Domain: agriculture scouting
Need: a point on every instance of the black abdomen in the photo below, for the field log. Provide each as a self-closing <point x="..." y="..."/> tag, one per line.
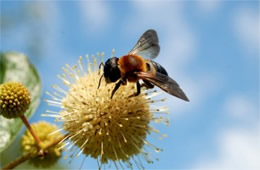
<point x="159" y="68"/>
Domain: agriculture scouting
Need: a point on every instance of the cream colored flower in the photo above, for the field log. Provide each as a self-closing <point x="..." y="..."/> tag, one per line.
<point x="110" y="130"/>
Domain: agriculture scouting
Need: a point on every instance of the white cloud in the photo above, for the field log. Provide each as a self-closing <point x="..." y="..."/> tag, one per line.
<point x="237" y="149"/>
<point x="45" y="11"/>
<point x="95" y="14"/>
<point x="246" y="26"/>
<point x="238" y="145"/>
<point x="178" y="49"/>
<point x="199" y="90"/>
<point x="208" y="6"/>
<point x="152" y="7"/>
<point x="241" y="107"/>
<point x="177" y="39"/>
<point x="34" y="27"/>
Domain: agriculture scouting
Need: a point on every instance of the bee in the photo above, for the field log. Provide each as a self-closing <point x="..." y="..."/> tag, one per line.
<point x="138" y="65"/>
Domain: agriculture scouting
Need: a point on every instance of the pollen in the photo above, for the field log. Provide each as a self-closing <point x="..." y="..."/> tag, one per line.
<point x="14" y="99"/>
<point x="109" y="130"/>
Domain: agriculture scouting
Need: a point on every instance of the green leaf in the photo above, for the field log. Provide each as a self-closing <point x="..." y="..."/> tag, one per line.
<point x="16" y="67"/>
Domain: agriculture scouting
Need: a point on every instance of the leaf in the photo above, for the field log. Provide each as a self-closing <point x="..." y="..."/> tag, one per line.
<point x="16" y="67"/>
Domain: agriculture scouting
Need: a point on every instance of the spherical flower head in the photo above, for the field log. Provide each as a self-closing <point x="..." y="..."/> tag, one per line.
<point x="14" y="99"/>
<point x="29" y="146"/>
<point x="103" y="128"/>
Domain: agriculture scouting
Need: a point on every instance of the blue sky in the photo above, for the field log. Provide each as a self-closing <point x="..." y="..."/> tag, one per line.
<point x="211" y="48"/>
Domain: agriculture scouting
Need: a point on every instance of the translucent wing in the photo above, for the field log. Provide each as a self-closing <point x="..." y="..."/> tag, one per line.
<point x="147" y="46"/>
<point x="165" y="83"/>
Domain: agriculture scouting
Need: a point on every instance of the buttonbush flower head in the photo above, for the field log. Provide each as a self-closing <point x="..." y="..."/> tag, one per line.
<point x="14" y="99"/>
<point x="51" y="154"/>
<point x="109" y="130"/>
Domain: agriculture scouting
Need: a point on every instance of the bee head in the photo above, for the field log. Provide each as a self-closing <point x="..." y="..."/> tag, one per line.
<point x="111" y="70"/>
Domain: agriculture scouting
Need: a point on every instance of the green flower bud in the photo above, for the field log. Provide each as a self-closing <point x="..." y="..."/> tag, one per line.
<point x="14" y="99"/>
<point x="50" y="154"/>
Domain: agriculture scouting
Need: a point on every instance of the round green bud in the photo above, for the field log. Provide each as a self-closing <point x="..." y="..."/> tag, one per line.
<point x="14" y="99"/>
<point x="50" y="154"/>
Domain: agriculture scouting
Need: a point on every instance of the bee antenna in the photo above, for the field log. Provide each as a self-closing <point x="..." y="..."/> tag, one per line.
<point x="100" y="80"/>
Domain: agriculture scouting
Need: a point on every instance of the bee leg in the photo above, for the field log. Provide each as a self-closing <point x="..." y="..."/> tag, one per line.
<point x="138" y="87"/>
<point x="99" y="68"/>
<point x="100" y="81"/>
<point x="147" y="84"/>
<point x="115" y="88"/>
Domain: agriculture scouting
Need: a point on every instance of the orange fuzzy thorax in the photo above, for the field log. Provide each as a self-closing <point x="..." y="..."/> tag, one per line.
<point x="129" y="64"/>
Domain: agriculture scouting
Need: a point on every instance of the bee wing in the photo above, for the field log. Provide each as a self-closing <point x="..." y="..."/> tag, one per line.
<point x="147" y="46"/>
<point x="165" y="83"/>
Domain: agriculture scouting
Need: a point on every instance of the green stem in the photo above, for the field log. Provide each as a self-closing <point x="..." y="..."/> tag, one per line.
<point x="18" y="161"/>
<point x="27" y="124"/>
<point x="30" y="155"/>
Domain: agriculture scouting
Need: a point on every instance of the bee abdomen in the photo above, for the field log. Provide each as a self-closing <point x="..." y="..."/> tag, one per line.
<point x="159" y="68"/>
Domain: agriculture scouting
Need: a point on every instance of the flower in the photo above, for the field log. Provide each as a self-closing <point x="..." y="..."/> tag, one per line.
<point x="107" y="129"/>
<point x="14" y="99"/>
<point x="51" y="154"/>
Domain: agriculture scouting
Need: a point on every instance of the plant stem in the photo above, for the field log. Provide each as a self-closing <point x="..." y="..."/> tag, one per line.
<point x="27" y="124"/>
<point x="30" y="155"/>
<point x="18" y="161"/>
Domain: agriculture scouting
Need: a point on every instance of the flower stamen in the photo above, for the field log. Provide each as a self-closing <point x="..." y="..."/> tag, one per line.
<point x="110" y="130"/>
